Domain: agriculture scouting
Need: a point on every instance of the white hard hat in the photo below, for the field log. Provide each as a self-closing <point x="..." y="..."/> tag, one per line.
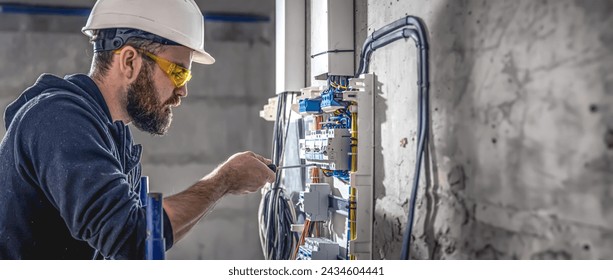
<point x="180" y="21"/>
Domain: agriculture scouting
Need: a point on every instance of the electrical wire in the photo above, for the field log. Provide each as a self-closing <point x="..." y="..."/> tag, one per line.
<point x="383" y="37"/>
<point x="352" y="191"/>
<point x="276" y="213"/>
<point x="303" y="235"/>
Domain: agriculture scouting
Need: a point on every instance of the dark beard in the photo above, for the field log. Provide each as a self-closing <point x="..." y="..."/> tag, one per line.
<point x="144" y="107"/>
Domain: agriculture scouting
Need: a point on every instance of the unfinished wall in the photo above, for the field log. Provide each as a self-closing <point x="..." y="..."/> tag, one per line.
<point x="521" y="163"/>
<point x="216" y="120"/>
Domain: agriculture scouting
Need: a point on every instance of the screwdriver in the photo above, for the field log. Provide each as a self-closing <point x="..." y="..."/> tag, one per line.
<point x="274" y="168"/>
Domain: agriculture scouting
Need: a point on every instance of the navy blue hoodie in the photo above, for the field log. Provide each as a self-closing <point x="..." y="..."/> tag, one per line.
<point x="69" y="177"/>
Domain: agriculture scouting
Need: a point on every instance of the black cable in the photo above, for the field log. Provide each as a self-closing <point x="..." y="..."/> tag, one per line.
<point x="276" y="206"/>
<point x="330" y="51"/>
<point x="384" y="41"/>
<point x="423" y="118"/>
<point x="383" y="37"/>
<point x="272" y="196"/>
<point x="412" y="22"/>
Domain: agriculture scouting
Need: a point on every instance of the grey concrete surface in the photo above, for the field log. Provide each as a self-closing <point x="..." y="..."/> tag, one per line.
<point x="521" y="149"/>
<point x="217" y="119"/>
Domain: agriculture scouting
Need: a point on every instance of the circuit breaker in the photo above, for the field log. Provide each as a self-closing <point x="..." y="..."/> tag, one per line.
<point x="318" y="249"/>
<point x="329" y="148"/>
<point x="315" y="202"/>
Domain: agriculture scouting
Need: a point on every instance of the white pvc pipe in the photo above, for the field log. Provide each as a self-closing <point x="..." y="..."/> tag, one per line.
<point x="290" y="22"/>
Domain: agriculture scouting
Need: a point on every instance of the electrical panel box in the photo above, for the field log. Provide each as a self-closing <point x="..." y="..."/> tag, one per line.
<point x="333" y="149"/>
<point x="338" y="140"/>
<point x="336" y="147"/>
<point x="332" y="50"/>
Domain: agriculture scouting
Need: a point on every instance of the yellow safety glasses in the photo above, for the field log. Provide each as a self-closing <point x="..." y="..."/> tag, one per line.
<point x="178" y="75"/>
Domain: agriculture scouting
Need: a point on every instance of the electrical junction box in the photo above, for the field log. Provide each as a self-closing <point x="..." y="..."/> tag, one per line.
<point x="332" y="51"/>
<point x="270" y="110"/>
<point x="328" y="148"/>
<point x="315" y="248"/>
<point x="315" y="201"/>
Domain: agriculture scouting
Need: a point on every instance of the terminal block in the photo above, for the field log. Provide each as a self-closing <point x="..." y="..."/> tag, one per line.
<point x="316" y="248"/>
<point x="310" y="106"/>
<point x="329" y="103"/>
<point x="308" y="101"/>
<point x="315" y="202"/>
<point x="328" y="148"/>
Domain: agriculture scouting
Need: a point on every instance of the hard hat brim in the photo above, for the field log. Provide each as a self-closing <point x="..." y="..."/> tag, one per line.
<point x="202" y="57"/>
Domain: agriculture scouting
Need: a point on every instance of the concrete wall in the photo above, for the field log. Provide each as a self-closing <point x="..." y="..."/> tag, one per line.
<point x="521" y="163"/>
<point x="218" y="118"/>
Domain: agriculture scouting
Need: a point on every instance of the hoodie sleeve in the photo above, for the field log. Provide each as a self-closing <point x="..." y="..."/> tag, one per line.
<point x="66" y="150"/>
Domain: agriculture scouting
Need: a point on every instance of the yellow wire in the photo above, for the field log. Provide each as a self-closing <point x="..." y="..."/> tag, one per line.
<point x="352" y="217"/>
<point x="354" y="142"/>
<point x="337" y="86"/>
<point x="354" y="167"/>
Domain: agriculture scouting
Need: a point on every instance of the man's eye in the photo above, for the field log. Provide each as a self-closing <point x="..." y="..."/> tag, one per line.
<point x="176" y="74"/>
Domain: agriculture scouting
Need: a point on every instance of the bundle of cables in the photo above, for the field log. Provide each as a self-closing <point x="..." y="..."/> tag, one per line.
<point x="276" y="213"/>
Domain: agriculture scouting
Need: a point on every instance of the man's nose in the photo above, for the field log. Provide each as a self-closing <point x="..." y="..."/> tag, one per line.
<point x="181" y="91"/>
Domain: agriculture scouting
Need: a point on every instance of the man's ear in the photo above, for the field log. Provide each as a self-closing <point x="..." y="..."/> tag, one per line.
<point x="130" y="63"/>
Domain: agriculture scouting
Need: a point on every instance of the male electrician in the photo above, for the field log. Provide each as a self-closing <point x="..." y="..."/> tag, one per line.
<point x="69" y="171"/>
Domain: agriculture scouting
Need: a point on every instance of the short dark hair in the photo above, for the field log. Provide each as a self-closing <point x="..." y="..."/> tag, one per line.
<point x="101" y="62"/>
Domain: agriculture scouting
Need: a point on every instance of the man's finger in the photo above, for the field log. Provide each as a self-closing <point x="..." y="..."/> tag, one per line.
<point x="270" y="174"/>
<point x="262" y="159"/>
<point x="271" y="178"/>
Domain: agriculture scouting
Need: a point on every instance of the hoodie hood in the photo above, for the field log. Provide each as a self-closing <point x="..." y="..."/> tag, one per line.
<point x="79" y="84"/>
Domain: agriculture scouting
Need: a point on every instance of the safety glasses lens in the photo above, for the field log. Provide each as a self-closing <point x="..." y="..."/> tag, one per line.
<point x="181" y="76"/>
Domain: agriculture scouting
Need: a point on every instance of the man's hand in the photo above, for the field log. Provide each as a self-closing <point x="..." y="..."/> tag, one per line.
<point x="244" y="173"/>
